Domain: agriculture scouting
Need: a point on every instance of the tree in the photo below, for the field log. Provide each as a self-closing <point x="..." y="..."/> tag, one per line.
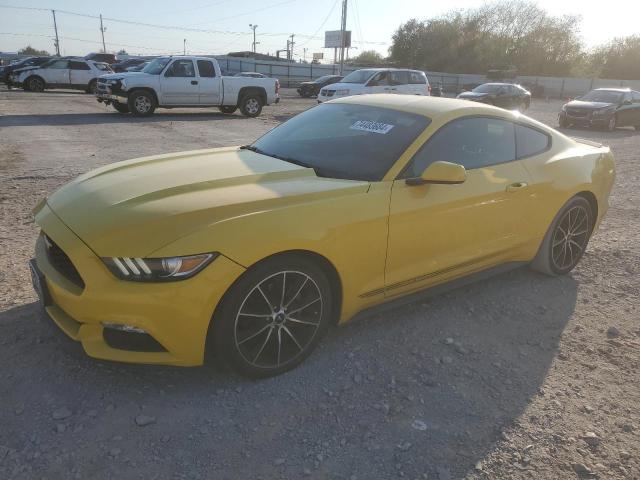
<point x="29" y="50"/>
<point x="619" y="59"/>
<point x="507" y="32"/>
<point x="368" y="57"/>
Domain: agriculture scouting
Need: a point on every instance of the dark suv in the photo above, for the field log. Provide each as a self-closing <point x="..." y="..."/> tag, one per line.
<point x="311" y="89"/>
<point x="102" y="57"/>
<point x="603" y="107"/>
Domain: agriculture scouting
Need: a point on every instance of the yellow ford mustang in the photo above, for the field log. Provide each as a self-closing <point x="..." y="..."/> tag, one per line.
<point x="256" y="250"/>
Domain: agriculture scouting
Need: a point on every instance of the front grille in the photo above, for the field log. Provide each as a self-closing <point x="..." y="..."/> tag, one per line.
<point x="577" y="113"/>
<point x="131" y="341"/>
<point x="62" y="263"/>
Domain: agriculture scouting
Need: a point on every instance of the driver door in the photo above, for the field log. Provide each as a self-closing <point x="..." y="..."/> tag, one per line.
<point x="179" y="85"/>
<point x="379" y="83"/>
<point x="438" y="232"/>
<point x="57" y="73"/>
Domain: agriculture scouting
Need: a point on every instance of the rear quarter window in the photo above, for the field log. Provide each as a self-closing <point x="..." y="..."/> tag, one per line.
<point x="530" y="141"/>
<point x="417" y="78"/>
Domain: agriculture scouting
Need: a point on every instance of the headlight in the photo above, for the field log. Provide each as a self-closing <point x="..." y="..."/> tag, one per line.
<point x="168" y="269"/>
<point x="342" y="92"/>
<point x="564" y="108"/>
<point x="603" y="111"/>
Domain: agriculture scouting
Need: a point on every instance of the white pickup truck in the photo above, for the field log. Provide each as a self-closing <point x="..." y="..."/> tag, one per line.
<point x="184" y="81"/>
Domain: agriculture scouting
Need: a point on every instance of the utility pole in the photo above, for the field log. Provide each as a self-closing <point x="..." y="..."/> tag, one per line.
<point x="55" y="27"/>
<point x="102" y="29"/>
<point x="184" y="46"/>
<point x="343" y="28"/>
<point x="291" y="44"/>
<point x="253" y="27"/>
<point x="304" y="54"/>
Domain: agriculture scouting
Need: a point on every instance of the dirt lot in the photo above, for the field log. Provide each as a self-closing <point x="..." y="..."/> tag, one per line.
<point x="519" y="376"/>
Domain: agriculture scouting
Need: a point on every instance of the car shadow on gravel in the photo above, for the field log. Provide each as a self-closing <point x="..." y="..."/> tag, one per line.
<point x="428" y="388"/>
<point x="100" y="118"/>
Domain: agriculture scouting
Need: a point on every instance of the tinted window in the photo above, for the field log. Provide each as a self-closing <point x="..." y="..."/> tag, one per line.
<point x="379" y="79"/>
<point x="489" y="88"/>
<point x="206" y="68"/>
<point x="605" y="96"/>
<point x="398" y="78"/>
<point x="417" y="78"/>
<point x="472" y="142"/>
<point x="79" y="66"/>
<point x="181" y="68"/>
<point x="355" y="142"/>
<point x="359" y="76"/>
<point x="156" y="66"/>
<point x="530" y="142"/>
<point x="58" y="64"/>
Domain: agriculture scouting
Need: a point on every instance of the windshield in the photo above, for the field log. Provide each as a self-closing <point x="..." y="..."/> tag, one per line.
<point x="487" y="88"/>
<point x="156" y="66"/>
<point x="354" y="142"/>
<point x="104" y="67"/>
<point x="359" y="76"/>
<point x="323" y="79"/>
<point x="604" y="96"/>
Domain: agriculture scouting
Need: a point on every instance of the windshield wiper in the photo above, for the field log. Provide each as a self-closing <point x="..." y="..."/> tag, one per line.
<point x="273" y="155"/>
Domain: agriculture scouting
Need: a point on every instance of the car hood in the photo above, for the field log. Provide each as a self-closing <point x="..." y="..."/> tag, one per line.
<point x="24" y="69"/>
<point x="588" y="105"/>
<point x="133" y="208"/>
<point x="124" y="75"/>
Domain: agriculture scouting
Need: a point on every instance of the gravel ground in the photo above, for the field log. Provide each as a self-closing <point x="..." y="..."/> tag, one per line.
<point x="520" y="376"/>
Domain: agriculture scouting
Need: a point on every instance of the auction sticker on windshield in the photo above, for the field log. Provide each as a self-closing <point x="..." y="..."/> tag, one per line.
<point x="373" y="127"/>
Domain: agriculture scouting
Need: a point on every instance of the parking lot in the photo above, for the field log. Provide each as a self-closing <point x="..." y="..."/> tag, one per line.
<point x="520" y="376"/>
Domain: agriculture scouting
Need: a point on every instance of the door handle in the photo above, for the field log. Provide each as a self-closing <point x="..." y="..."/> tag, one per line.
<point x="514" y="187"/>
<point x="194" y="82"/>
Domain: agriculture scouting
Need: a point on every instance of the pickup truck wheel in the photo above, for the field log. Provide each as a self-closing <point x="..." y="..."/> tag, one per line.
<point x="251" y="105"/>
<point x="35" y="84"/>
<point x="228" y="109"/>
<point x="141" y="103"/>
<point x="121" y="107"/>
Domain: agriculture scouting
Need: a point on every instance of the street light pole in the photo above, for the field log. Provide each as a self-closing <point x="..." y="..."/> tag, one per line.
<point x="343" y="28"/>
<point x="102" y="29"/>
<point x="253" y="27"/>
<point x="55" y="27"/>
<point x="184" y="46"/>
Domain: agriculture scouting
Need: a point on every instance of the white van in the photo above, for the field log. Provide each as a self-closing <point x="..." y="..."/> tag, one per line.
<point x="378" y="80"/>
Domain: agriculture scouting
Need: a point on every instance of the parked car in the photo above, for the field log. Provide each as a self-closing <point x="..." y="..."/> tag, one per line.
<point x="102" y="57"/>
<point x="504" y="95"/>
<point x="607" y="108"/>
<point x="6" y="71"/>
<point x="254" y="251"/>
<point x="72" y="73"/>
<point x="251" y="75"/>
<point x="378" y="80"/>
<point x="312" y="88"/>
<point x="186" y="81"/>
<point x="124" y="65"/>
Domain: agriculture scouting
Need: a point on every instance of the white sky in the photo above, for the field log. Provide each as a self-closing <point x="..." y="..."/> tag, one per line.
<point x="372" y="23"/>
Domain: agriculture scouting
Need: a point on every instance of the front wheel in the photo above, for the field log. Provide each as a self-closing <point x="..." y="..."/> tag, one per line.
<point x="228" y="109"/>
<point x="92" y="87"/>
<point x="567" y="238"/>
<point x="121" y="107"/>
<point x="611" y="124"/>
<point x="251" y="106"/>
<point x="273" y="317"/>
<point x="35" y="84"/>
<point x="141" y="103"/>
<point x="562" y="122"/>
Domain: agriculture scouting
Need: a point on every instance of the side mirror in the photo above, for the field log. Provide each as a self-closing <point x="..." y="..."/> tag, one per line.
<point x="445" y="173"/>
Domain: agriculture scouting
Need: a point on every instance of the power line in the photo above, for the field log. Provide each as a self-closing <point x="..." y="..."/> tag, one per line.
<point x="322" y="24"/>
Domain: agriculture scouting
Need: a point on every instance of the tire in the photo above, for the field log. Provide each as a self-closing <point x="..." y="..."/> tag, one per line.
<point x="559" y="253"/>
<point x="562" y="122"/>
<point x="121" y="107"/>
<point x="92" y="87"/>
<point x="35" y="84"/>
<point x="228" y="109"/>
<point x="251" y="105"/>
<point x="611" y="124"/>
<point x="141" y="103"/>
<point x="259" y="340"/>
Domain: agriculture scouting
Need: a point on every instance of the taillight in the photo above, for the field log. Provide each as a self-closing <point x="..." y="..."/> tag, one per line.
<point x="277" y="86"/>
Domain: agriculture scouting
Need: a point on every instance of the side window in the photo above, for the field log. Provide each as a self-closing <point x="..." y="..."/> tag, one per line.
<point x="417" y="78"/>
<point x="627" y="97"/>
<point x="379" y="79"/>
<point x="636" y="96"/>
<point x="530" y="141"/>
<point x="474" y="142"/>
<point x="206" y="68"/>
<point x="59" y="64"/>
<point x="181" y="68"/>
<point x="398" y="78"/>
<point x="79" y="66"/>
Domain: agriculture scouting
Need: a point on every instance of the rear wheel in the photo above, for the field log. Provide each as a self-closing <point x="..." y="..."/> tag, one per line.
<point x="141" y="103"/>
<point x="251" y="105"/>
<point x="228" y="109"/>
<point x="567" y="238"/>
<point x="121" y="107"/>
<point x="93" y="87"/>
<point x="273" y="316"/>
<point x="611" y="124"/>
<point x="35" y="84"/>
<point x="562" y="122"/>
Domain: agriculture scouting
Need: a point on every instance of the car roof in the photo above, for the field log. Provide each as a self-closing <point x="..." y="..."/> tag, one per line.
<point x="427" y="106"/>
<point x="386" y="69"/>
<point x="621" y="90"/>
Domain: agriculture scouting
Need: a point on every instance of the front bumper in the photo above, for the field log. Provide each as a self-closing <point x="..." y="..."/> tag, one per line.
<point x="584" y="121"/>
<point x="176" y="315"/>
